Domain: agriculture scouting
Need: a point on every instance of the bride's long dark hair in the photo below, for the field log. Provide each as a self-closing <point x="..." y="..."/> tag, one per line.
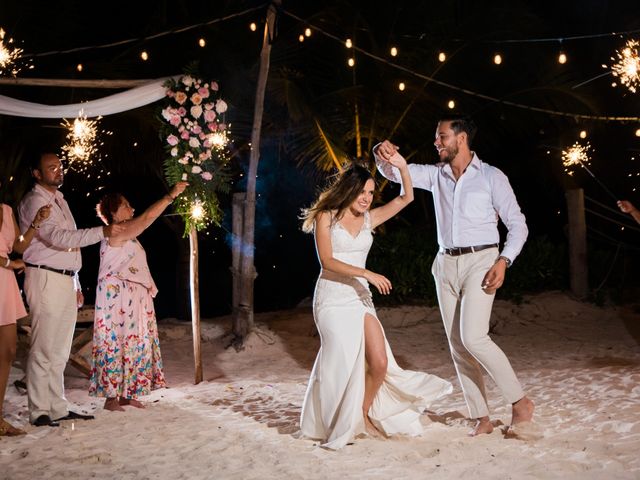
<point x="337" y="196"/>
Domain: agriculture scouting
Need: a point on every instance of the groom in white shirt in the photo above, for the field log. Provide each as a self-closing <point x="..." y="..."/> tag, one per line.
<point x="469" y="196"/>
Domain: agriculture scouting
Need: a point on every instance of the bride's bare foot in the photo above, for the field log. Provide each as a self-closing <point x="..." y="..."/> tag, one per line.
<point x="371" y="428"/>
<point x="112" y="405"/>
<point x="522" y="411"/>
<point x="483" y="425"/>
<point x="132" y="402"/>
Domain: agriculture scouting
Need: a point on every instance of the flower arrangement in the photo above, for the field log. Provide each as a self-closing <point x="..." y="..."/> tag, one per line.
<point x="194" y="133"/>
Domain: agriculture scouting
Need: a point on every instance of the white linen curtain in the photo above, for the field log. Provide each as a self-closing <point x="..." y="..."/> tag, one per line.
<point x="119" y="102"/>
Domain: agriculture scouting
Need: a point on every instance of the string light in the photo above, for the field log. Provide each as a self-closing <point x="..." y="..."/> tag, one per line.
<point x="627" y="66"/>
<point x="497" y="59"/>
<point x="393" y="51"/>
<point x="301" y="38"/>
<point x="307" y="32"/>
<point x="638" y="132"/>
<point x="583" y="134"/>
<point x="9" y="56"/>
<point x="79" y="67"/>
<point x="562" y="58"/>
<point x="351" y="62"/>
<point x="451" y="104"/>
<point x="202" y="42"/>
<point x="401" y="86"/>
<point x="144" y="55"/>
<point x="348" y="43"/>
<point x="442" y="56"/>
<point x="253" y="27"/>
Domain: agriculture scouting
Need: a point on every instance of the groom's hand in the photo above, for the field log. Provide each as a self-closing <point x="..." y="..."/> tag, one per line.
<point x="494" y="278"/>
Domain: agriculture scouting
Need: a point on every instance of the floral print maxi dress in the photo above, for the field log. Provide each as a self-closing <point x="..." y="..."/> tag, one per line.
<point x="126" y="350"/>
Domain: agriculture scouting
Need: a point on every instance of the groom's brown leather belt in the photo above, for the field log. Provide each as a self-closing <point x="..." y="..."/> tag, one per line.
<point x="463" y="250"/>
<point x="71" y="273"/>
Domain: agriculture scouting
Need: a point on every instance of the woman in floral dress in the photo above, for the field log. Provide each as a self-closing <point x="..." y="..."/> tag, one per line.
<point x="126" y="351"/>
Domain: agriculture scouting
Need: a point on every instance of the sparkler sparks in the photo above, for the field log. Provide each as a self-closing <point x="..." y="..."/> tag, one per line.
<point x="627" y="66"/>
<point x="81" y="152"/>
<point x="576" y="155"/>
<point x="10" y="56"/>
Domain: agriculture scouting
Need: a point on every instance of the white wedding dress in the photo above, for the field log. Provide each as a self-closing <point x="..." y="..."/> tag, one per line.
<point x="332" y="408"/>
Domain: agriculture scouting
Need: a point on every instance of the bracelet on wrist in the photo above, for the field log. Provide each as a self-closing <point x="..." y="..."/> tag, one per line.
<point x="34" y="226"/>
<point x="6" y="265"/>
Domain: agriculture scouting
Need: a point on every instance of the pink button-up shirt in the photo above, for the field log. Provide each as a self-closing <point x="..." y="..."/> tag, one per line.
<point x="57" y="243"/>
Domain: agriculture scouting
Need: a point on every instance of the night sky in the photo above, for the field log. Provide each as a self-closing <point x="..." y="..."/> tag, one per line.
<point x="311" y="80"/>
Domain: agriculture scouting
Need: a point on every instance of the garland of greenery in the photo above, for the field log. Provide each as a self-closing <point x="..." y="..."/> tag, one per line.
<point x="194" y="134"/>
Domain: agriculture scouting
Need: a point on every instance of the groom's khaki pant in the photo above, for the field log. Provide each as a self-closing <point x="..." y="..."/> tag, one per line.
<point x="53" y="307"/>
<point x="466" y="311"/>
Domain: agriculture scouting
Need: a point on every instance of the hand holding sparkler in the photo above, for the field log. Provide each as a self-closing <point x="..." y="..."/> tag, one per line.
<point x="177" y="189"/>
<point x="628" y="207"/>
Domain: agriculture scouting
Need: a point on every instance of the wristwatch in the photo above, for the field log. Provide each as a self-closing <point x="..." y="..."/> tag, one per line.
<point x="506" y="260"/>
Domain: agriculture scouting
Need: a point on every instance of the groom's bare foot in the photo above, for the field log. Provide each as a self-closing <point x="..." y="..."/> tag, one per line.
<point x="522" y="411"/>
<point x="132" y="402"/>
<point x="483" y="425"/>
<point x="112" y="405"/>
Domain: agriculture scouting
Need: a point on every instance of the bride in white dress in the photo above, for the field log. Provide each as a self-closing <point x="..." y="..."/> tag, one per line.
<point x="356" y="386"/>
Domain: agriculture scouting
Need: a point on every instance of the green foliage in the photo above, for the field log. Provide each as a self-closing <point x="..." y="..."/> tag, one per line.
<point x="194" y="135"/>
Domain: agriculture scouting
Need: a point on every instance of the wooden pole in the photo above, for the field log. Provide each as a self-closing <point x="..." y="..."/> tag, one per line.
<point x="578" y="270"/>
<point x="243" y="320"/>
<point x="195" y="302"/>
<point x="237" y="212"/>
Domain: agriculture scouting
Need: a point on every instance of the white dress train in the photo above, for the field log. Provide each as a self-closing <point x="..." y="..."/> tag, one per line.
<point x="332" y="408"/>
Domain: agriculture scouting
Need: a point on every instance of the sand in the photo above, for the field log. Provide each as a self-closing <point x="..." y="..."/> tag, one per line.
<point x="579" y="363"/>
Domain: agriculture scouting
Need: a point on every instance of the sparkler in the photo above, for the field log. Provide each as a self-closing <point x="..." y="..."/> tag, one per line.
<point x="9" y="56"/>
<point x="627" y="66"/>
<point x="82" y="148"/>
<point x="578" y="155"/>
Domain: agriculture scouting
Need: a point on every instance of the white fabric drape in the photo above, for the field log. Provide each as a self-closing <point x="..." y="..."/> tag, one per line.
<point x="119" y="102"/>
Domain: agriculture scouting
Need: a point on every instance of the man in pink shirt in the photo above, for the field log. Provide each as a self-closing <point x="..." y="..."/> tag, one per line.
<point x="53" y="290"/>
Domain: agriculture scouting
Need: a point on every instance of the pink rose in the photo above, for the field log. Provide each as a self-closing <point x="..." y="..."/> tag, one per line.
<point x="174" y="120"/>
<point x="204" y="92"/>
<point x="222" y="127"/>
<point x="172" y="140"/>
<point x="194" y="142"/>
<point x="213" y="127"/>
<point x="206" y="176"/>
<point x="214" y="86"/>
<point x="167" y="113"/>
<point x="208" y="106"/>
<point x="221" y="106"/>
<point x="184" y="135"/>
<point x="182" y="111"/>
<point x="209" y="116"/>
<point x="187" y="80"/>
<point x="196" y="169"/>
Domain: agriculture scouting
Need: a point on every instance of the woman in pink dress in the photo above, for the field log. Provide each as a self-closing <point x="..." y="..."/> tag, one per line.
<point x="11" y="305"/>
<point x="126" y="351"/>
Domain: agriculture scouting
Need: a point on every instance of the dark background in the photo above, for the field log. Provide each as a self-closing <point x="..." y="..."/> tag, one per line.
<point x="310" y="80"/>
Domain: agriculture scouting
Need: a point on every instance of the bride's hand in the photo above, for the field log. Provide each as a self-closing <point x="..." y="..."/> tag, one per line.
<point x="397" y="161"/>
<point x="381" y="282"/>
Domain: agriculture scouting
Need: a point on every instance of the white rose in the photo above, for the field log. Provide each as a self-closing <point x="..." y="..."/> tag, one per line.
<point x="196" y="169"/>
<point x="194" y="142"/>
<point x="174" y="151"/>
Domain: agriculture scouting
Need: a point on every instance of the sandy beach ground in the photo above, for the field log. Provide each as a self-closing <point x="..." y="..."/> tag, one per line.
<point x="579" y="363"/>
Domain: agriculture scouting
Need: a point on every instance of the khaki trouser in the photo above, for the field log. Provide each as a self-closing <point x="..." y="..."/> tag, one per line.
<point x="53" y="307"/>
<point x="466" y="311"/>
